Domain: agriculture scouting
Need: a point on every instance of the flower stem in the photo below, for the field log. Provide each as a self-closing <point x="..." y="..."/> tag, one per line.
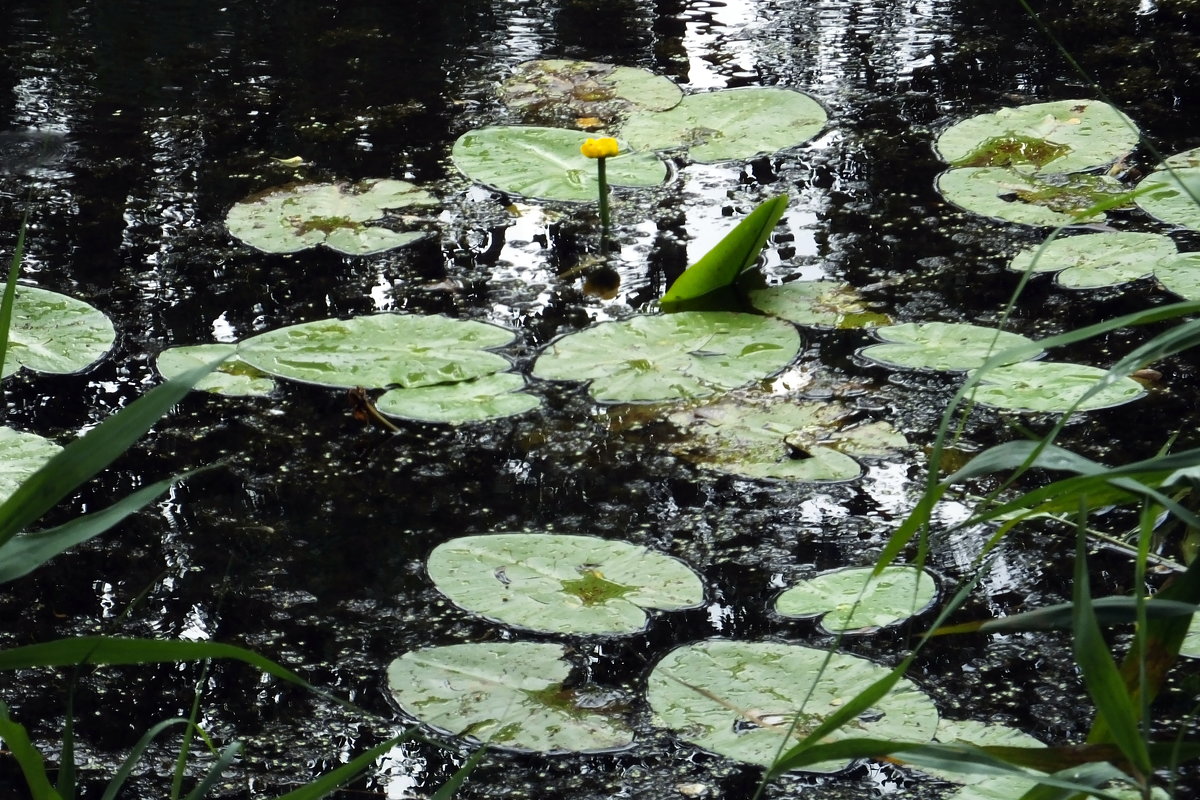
<point x="602" y="178"/>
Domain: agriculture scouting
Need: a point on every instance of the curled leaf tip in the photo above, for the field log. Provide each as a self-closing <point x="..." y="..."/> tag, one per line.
<point x="604" y="147"/>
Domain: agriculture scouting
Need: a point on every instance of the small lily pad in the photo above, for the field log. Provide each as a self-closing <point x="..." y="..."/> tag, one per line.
<point x="21" y="455"/>
<point x="546" y="163"/>
<point x="656" y="358"/>
<point x="739" y="699"/>
<point x="1180" y="275"/>
<point x="1028" y="198"/>
<point x="562" y="584"/>
<point x="380" y="351"/>
<point x="892" y="596"/>
<point x="1093" y="260"/>
<point x="507" y="695"/>
<point x="1052" y="387"/>
<point x="1062" y="136"/>
<point x="298" y="216"/>
<point x="944" y="346"/>
<point x="494" y="396"/>
<point x="1167" y="194"/>
<point x="1191" y="641"/>
<point x="800" y="441"/>
<point x="233" y="378"/>
<point x="817" y="304"/>
<point x="560" y="92"/>
<point x="729" y="124"/>
<point x="53" y="333"/>
<point x="981" y="734"/>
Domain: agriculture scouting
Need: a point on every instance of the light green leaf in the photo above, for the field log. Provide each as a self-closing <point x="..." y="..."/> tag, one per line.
<point x="380" y="351"/>
<point x="561" y="584"/>
<point x="739" y="699"/>
<point x="670" y="357"/>
<point x="546" y="163"/>
<point x="561" y="93"/>
<point x="28" y="758"/>
<point x="1098" y="259"/>
<point x="21" y="455"/>
<point x="853" y="600"/>
<point x="505" y="694"/>
<point x="287" y="219"/>
<point x="1062" y="136"/>
<point x="500" y="394"/>
<point x="233" y="378"/>
<point x="54" y="333"/>
<point x="1165" y="195"/>
<point x="1051" y="387"/>
<point x="1045" y="199"/>
<point x="817" y="304"/>
<point x="945" y="346"/>
<point x="1180" y="275"/>
<point x="1191" y="641"/>
<point x="729" y="124"/>
<point x="977" y="786"/>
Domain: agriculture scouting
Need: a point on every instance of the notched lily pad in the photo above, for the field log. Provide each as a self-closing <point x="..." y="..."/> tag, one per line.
<point x="657" y="358"/>
<point x="298" y="216"/>
<point x="817" y="304"/>
<point x="1180" y="275"/>
<point x="894" y="595"/>
<point x="729" y="124"/>
<point x="51" y="332"/>
<point x="380" y="351"/>
<point x="562" y="584"/>
<point x="944" y="346"/>
<point x="21" y="455"/>
<point x="801" y="441"/>
<point x="233" y="378"/>
<point x="1167" y="194"/>
<point x="1052" y="387"/>
<point x="1029" y="198"/>
<point x="1093" y="260"/>
<point x="560" y="92"/>
<point x="739" y="699"/>
<point x="507" y="695"/>
<point x="494" y="396"/>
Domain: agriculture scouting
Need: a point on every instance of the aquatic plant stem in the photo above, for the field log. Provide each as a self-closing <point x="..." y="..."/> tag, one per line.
<point x="602" y="179"/>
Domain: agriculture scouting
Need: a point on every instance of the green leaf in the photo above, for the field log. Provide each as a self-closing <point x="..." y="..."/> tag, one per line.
<point x="1190" y="647"/>
<point x="501" y="394"/>
<point x="562" y="584"/>
<point x="855" y="600"/>
<point x="670" y="357"/>
<point x="1180" y="275"/>
<point x="545" y="163"/>
<point x="233" y="378"/>
<point x="21" y="455"/>
<point x="740" y="699"/>
<point x="817" y="304"/>
<point x="287" y="219"/>
<point x="1170" y="192"/>
<point x="29" y="759"/>
<point x="1098" y="259"/>
<point x="946" y="346"/>
<point x="10" y="289"/>
<point x="507" y="695"/>
<point x="1047" y="386"/>
<point x="1108" y="611"/>
<point x="214" y="773"/>
<point x="53" y="333"/>
<point x="729" y="124"/>
<point x="127" y="766"/>
<point x="1049" y="200"/>
<point x="721" y="265"/>
<point x="380" y="351"/>
<point x="562" y="93"/>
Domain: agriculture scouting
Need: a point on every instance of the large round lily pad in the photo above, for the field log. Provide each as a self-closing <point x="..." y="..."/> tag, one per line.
<point x="739" y="699"/>
<point x="1062" y="136"/>
<point x="803" y="441"/>
<point x="380" y="351"/>
<point x="1180" y="275"/>
<point x="500" y="394"/>
<point x="892" y="596"/>
<point x="1051" y="387"/>
<point x="21" y="455"/>
<point x="1097" y="259"/>
<point x="655" y="358"/>
<point x="562" y="584"/>
<point x="233" y="378"/>
<point x="729" y="124"/>
<point x="1029" y="198"/>
<point x="585" y="94"/>
<point x="546" y="163"/>
<point x="298" y="216"/>
<point x="817" y="304"/>
<point x="946" y="346"/>
<point x="504" y="694"/>
<point x="51" y="332"/>
<point x="1169" y="192"/>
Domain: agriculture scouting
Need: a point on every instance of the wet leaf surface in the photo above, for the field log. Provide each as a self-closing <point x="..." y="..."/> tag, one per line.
<point x="854" y="600"/>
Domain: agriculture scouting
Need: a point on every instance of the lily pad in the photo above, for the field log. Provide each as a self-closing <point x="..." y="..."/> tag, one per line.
<point x="1098" y="259"/>
<point x="298" y="216"/>
<point x="380" y="351"/>
<point x="562" y="584"/>
<point x="817" y="304"/>
<point x="1167" y="194"/>
<point x="1030" y="198"/>
<point x="981" y="734"/>
<point x="739" y="699"/>
<point x="729" y="124"/>
<point x="546" y="163"/>
<point x="658" y="358"/>
<point x="1062" y="136"/>
<point x="234" y="378"/>
<point x="1180" y="275"/>
<point x="51" y="332"/>
<point x="1052" y="387"/>
<point x="494" y="396"/>
<point x="506" y="695"/>
<point x="892" y="596"/>
<point x="585" y="94"/>
<point x="21" y="455"/>
<point x="1191" y="641"/>
<point x="944" y="346"/>
<point x="801" y="441"/>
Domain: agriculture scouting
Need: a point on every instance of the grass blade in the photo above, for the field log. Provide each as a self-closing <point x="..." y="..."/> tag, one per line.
<point x="1108" y="611"/>
<point x="10" y="289"/>
<point x="447" y="789"/>
<point x="216" y="771"/>
<point x="334" y="779"/>
<point x="32" y="765"/>
<point x="126" y="769"/>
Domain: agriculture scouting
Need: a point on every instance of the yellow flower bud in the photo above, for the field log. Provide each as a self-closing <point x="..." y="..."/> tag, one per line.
<point x="605" y="147"/>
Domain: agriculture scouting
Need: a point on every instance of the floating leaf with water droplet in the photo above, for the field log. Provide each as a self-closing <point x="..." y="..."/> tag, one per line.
<point x="562" y="584"/>
<point x="507" y="695"/>
<point x="1180" y="275"/>
<point x="21" y="455"/>
<point x="494" y="396"/>
<point x="946" y="346"/>
<point x="234" y="378"/>
<point x="1030" y="198"/>
<point x="51" y="332"/>
<point x="817" y="304"/>
<point x="1052" y="387"/>
<point x="560" y="92"/>
<point x="892" y="596"/>
<point x="1093" y="260"/>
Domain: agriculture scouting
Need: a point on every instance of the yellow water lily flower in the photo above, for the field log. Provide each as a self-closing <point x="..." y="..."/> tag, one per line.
<point x="604" y="147"/>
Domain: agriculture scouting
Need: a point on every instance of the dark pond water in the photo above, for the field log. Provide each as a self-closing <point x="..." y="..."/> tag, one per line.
<point x="131" y="128"/>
